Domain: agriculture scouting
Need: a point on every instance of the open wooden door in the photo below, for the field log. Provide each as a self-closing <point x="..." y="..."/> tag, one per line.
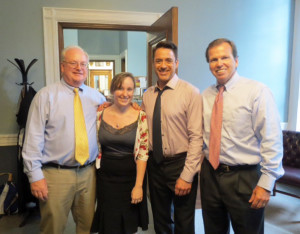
<point x="165" y="28"/>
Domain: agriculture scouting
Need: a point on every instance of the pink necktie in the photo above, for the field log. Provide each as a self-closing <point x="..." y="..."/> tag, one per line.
<point x="215" y="129"/>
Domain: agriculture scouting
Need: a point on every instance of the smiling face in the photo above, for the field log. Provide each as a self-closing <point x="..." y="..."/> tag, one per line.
<point x="73" y="70"/>
<point x="222" y="63"/>
<point x="165" y="65"/>
<point x="124" y="94"/>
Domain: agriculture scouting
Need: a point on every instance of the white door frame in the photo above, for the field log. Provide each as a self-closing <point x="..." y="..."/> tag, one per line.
<point x="52" y="16"/>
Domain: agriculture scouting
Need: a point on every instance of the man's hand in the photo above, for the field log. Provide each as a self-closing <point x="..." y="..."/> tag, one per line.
<point x="135" y="106"/>
<point x="108" y="104"/>
<point x="260" y="198"/>
<point x="182" y="187"/>
<point x="39" y="189"/>
<point x="104" y="105"/>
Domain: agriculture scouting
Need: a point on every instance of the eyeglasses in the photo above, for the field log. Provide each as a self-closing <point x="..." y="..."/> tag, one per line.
<point x="74" y="64"/>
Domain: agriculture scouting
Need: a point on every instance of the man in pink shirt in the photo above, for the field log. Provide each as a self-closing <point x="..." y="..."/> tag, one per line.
<point x="175" y="161"/>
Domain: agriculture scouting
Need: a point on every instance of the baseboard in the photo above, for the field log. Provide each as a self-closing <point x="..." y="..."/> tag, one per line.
<point x="8" y="140"/>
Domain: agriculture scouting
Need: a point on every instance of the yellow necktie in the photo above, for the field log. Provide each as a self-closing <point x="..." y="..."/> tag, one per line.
<point x="81" y="138"/>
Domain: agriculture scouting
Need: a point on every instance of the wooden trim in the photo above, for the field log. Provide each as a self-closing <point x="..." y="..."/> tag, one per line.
<point x="60" y="42"/>
<point x="175" y="25"/>
<point x="99" y="73"/>
<point x="106" y="60"/>
<point x="118" y="27"/>
<point x="166" y="27"/>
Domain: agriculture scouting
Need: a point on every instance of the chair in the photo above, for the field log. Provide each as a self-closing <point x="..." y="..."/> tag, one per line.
<point x="291" y="162"/>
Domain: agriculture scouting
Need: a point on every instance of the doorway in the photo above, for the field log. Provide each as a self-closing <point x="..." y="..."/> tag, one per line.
<point x="100" y="75"/>
<point x="55" y="19"/>
<point x="127" y="50"/>
<point x="123" y="65"/>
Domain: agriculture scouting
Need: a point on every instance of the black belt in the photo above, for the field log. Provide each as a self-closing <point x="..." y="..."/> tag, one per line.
<point x="171" y="157"/>
<point x="55" y="165"/>
<point x="227" y="168"/>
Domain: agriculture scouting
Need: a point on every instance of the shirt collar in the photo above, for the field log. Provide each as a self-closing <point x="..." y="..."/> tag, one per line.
<point x="70" y="88"/>
<point x="171" y="84"/>
<point x="234" y="79"/>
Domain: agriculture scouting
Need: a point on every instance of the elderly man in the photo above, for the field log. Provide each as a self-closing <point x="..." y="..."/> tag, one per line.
<point x="242" y="146"/>
<point x="59" y="156"/>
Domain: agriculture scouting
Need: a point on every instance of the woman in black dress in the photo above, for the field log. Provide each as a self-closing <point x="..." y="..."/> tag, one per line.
<point x="122" y="135"/>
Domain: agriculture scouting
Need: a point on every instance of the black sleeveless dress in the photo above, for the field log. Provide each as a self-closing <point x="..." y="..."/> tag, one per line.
<point x="115" y="180"/>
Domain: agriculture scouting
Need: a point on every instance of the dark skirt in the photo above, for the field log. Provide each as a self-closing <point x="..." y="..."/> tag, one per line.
<point x="115" y="214"/>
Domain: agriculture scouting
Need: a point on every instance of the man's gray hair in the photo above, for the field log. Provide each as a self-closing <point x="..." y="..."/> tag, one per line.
<point x="63" y="53"/>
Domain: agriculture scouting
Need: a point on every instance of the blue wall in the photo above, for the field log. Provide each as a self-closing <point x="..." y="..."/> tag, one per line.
<point x="70" y="37"/>
<point x="137" y="53"/>
<point x="99" y="41"/>
<point x="123" y="41"/>
<point x="260" y="28"/>
<point x="107" y="42"/>
<point x="262" y="32"/>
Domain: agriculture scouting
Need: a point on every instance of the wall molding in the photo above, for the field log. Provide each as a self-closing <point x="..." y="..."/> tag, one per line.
<point x="294" y="99"/>
<point x="8" y="139"/>
<point x="52" y="16"/>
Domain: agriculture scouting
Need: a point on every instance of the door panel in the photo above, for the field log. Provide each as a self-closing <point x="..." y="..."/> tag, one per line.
<point x="165" y="28"/>
<point x="100" y="80"/>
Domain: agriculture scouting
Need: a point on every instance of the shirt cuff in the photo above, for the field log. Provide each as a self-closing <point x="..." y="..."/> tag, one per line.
<point x="35" y="176"/>
<point x="187" y="176"/>
<point x="266" y="182"/>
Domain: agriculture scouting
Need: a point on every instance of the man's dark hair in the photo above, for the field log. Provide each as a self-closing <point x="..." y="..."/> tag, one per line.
<point x="167" y="45"/>
<point x="219" y="41"/>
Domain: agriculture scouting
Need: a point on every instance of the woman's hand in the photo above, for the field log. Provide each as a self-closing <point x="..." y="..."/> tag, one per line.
<point x="136" y="194"/>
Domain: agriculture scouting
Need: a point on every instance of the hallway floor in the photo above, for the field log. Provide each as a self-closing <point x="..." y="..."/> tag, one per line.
<point x="282" y="216"/>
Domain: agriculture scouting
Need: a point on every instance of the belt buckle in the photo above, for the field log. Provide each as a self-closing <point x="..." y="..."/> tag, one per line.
<point x="226" y="168"/>
<point x="223" y="168"/>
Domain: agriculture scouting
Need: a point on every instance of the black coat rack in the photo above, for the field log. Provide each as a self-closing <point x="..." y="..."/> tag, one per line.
<point x="26" y="96"/>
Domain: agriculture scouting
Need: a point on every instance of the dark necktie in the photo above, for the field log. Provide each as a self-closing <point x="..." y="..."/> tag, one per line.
<point x="215" y="129"/>
<point x="157" y="138"/>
